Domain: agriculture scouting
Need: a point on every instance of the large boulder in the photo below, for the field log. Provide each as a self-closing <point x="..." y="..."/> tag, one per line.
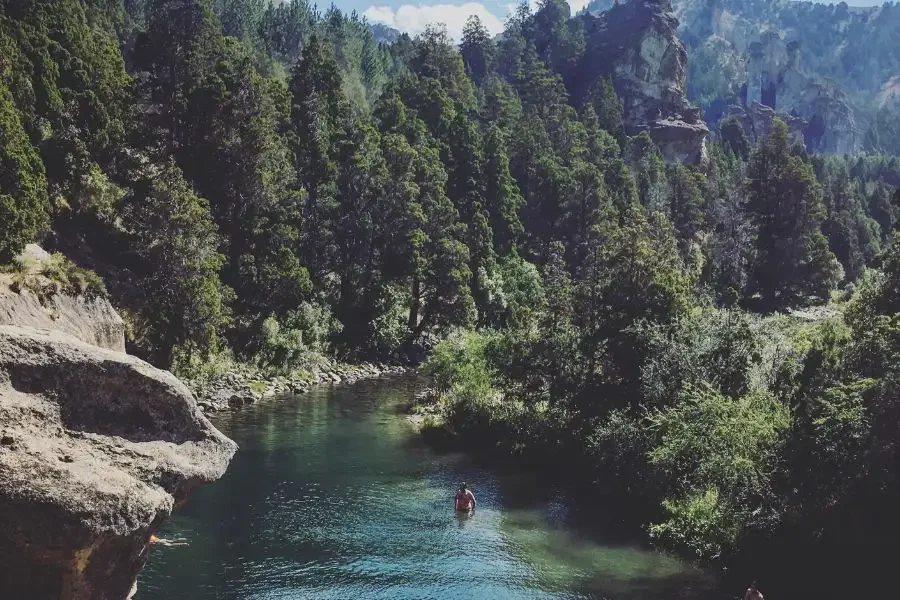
<point x="96" y="450"/>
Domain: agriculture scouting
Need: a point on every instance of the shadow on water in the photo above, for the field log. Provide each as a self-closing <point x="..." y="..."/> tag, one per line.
<point x="332" y="495"/>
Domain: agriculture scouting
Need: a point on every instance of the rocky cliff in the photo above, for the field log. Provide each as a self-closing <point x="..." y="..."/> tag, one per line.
<point x="775" y="79"/>
<point x="89" y="318"/>
<point x="96" y="450"/>
<point x="832" y="65"/>
<point x="636" y="44"/>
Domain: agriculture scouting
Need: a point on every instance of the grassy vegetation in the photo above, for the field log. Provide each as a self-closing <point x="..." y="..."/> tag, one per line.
<point x="55" y="275"/>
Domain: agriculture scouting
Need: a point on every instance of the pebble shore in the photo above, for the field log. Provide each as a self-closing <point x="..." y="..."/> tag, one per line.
<point x="241" y="386"/>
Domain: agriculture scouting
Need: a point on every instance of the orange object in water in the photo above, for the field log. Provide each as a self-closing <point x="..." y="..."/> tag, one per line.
<point x="153" y="539"/>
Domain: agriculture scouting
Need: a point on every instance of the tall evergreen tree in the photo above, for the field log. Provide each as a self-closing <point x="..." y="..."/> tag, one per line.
<point x="320" y="117"/>
<point x="178" y="50"/>
<point x="23" y="187"/>
<point x="792" y="261"/>
<point x="477" y="49"/>
<point x="176" y="241"/>
<point x="502" y="198"/>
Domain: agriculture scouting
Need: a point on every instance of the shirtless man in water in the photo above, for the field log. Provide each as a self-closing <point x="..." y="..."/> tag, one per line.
<point x="465" y="499"/>
<point x="753" y="593"/>
<point x="162" y="542"/>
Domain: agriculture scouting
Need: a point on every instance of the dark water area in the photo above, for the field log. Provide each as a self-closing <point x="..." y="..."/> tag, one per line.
<point x="333" y="495"/>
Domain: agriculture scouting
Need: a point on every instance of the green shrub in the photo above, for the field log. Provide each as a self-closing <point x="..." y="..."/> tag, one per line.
<point x="719" y="454"/>
<point x="716" y="345"/>
<point x="459" y="362"/>
<point x="193" y="366"/>
<point x="698" y="524"/>
<point x="298" y="340"/>
<point x="616" y="449"/>
<point x="389" y="326"/>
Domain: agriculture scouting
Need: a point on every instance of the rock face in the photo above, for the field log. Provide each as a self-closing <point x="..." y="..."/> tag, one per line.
<point x="635" y="43"/>
<point x="833" y="65"/>
<point x="91" y="320"/>
<point x="757" y="119"/>
<point x="775" y="79"/>
<point x="96" y="450"/>
<point x="829" y="64"/>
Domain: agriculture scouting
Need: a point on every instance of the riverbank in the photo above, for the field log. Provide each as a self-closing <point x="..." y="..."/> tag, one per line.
<point x="244" y="384"/>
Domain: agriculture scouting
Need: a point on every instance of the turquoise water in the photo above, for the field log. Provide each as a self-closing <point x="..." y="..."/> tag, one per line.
<point x="332" y="495"/>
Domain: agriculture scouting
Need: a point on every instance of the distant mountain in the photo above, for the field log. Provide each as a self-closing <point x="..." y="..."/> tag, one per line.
<point x="834" y="66"/>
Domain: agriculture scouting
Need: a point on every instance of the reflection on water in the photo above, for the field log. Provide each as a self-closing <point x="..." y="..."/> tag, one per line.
<point x="332" y="496"/>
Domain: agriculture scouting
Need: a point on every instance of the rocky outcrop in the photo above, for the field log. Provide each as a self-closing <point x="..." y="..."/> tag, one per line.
<point x="775" y="79"/>
<point x="636" y="44"/>
<point x="855" y="46"/>
<point x="832" y="65"/>
<point x="96" y="449"/>
<point x="757" y="120"/>
<point x="91" y="319"/>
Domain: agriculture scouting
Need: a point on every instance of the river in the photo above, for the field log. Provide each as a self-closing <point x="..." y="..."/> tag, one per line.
<point x="333" y="496"/>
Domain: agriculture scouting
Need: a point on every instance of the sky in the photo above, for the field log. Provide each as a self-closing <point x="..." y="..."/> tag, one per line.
<point x="412" y="17"/>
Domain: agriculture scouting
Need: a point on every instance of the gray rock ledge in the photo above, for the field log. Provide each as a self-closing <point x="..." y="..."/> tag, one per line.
<point x="97" y="448"/>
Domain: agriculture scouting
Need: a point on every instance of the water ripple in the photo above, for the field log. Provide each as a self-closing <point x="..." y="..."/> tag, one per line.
<point x="329" y="498"/>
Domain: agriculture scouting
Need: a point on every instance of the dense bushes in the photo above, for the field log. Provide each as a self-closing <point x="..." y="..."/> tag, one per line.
<point x="23" y="189"/>
<point x="746" y="435"/>
<point x="719" y="455"/>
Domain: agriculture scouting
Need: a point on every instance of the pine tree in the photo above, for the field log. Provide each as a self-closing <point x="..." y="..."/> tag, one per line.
<point x="502" y="198"/>
<point x="607" y="105"/>
<point x="178" y="50"/>
<point x="320" y="116"/>
<point x="685" y="204"/>
<point x="477" y="49"/>
<point x="792" y="261"/>
<point x="176" y="240"/>
<point x="559" y="40"/>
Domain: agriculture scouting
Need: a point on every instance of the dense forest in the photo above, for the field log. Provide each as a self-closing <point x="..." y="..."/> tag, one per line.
<point x="717" y="345"/>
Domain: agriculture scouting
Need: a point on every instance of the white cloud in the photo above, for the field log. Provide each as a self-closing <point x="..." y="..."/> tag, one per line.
<point x="512" y="6"/>
<point x="577" y="5"/>
<point x="574" y="5"/>
<point x="412" y="18"/>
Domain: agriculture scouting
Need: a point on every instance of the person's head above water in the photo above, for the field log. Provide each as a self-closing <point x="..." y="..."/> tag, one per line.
<point x="462" y="486"/>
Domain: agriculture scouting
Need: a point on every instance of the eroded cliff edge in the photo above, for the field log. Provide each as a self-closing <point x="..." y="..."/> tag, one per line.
<point x="97" y="448"/>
